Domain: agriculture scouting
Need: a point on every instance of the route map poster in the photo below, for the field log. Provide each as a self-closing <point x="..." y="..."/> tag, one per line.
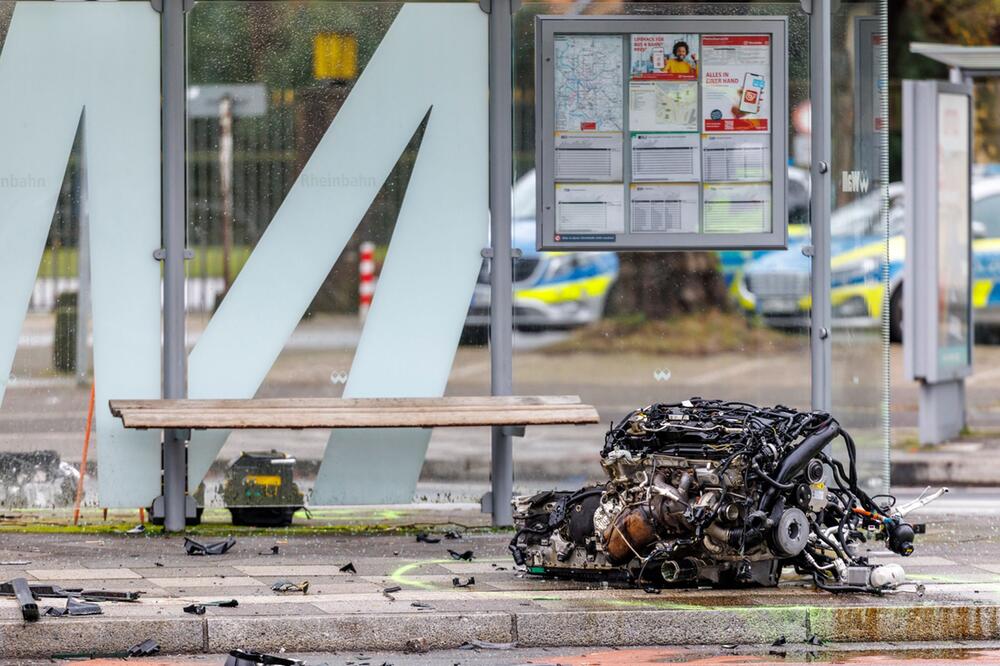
<point x="588" y="83"/>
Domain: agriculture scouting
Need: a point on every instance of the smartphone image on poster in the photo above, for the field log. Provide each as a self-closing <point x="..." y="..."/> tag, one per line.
<point x="753" y="88"/>
<point x="658" y="59"/>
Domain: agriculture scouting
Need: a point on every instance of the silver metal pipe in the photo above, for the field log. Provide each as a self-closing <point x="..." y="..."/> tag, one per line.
<point x="501" y="268"/>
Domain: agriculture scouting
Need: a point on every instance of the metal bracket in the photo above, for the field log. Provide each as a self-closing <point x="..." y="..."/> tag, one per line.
<point x="486" y="6"/>
<point x="157" y="5"/>
<point x="160" y="254"/>
<point x="808" y="250"/>
<point x="486" y="502"/>
<point x="487" y="253"/>
<point x="512" y="431"/>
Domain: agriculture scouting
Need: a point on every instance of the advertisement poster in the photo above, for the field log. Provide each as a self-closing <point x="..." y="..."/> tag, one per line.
<point x="953" y="231"/>
<point x="663" y="106"/>
<point x="588" y="83"/>
<point x="736" y="94"/>
<point x="671" y="57"/>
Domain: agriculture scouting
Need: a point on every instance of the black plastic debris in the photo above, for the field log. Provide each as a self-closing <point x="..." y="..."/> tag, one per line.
<point x="217" y="548"/>
<point x="147" y="648"/>
<point x="486" y="645"/>
<point x="423" y="537"/>
<point x="15" y="563"/>
<point x="158" y="564"/>
<point x="781" y="640"/>
<point x="225" y="603"/>
<point x="467" y="555"/>
<point x="392" y="589"/>
<point x="348" y="568"/>
<point x="195" y="609"/>
<point x="274" y="551"/>
<point x="21" y="590"/>
<point x="815" y="640"/>
<point x="463" y="582"/>
<point x="250" y="658"/>
<point x="452" y="534"/>
<point x="288" y="586"/>
<point x="74" y="608"/>
<point x="138" y="529"/>
<point x="421" y="605"/>
<point x="729" y="646"/>
<point x="649" y="589"/>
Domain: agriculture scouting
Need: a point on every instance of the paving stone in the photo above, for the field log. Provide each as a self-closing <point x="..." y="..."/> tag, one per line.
<point x="83" y="573"/>
<point x="189" y="582"/>
<point x="98" y="635"/>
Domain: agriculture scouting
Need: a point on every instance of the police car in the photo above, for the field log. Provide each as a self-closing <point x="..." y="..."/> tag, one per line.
<point x="552" y="290"/>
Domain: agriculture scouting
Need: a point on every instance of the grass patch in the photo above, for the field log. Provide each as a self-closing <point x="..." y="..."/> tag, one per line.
<point x="697" y="334"/>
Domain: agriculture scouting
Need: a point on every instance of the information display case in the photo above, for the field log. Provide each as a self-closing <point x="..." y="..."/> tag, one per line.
<point x="661" y="132"/>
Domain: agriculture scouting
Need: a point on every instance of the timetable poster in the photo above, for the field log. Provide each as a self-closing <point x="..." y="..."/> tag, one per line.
<point x="736" y="90"/>
<point x="670" y="56"/>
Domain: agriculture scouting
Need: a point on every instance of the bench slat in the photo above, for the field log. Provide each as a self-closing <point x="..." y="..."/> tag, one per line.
<point x="295" y="413"/>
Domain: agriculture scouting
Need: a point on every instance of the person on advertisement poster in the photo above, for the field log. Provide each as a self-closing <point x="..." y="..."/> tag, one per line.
<point x="672" y="57"/>
<point x="735" y="91"/>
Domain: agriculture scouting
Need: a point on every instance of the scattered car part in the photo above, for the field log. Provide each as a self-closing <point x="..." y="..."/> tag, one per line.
<point x="348" y="568"/>
<point x="485" y="645"/>
<point x="720" y="492"/>
<point x="147" y="648"/>
<point x="75" y="607"/>
<point x="288" y="586"/>
<point x="421" y="605"/>
<point x="56" y="592"/>
<point x="260" y="489"/>
<point x="138" y="529"/>
<point x="452" y="534"/>
<point x="195" y="609"/>
<point x="392" y="589"/>
<point x="463" y="582"/>
<point x="467" y="555"/>
<point x="423" y="537"/>
<point x="226" y="603"/>
<point x="217" y="548"/>
<point x="249" y="658"/>
<point x="29" y="607"/>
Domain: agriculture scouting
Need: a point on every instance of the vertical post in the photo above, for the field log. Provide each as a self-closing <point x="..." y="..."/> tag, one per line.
<point x="83" y="263"/>
<point x="366" y="278"/>
<point x="819" y="205"/>
<point x="501" y="268"/>
<point x="172" y="47"/>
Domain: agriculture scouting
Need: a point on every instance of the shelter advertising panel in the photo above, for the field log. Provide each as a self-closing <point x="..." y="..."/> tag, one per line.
<point x="661" y="132"/>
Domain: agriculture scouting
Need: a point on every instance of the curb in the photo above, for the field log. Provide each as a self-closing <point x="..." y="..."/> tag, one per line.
<point x="929" y="469"/>
<point x="398" y="631"/>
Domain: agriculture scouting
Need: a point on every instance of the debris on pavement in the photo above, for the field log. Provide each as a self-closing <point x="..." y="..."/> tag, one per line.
<point x="138" y="529"/>
<point x="56" y="592"/>
<point x="15" y="563"/>
<point x="217" y="548"/>
<point x="421" y="605"/>
<point x="486" y="645"/>
<point x="815" y="640"/>
<point x="225" y="603"/>
<point x="423" y="537"/>
<point x="467" y="555"/>
<point x="21" y="589"/>
<point x="452" y="534"/>
<point x="274" y="551"/>
<point x="147" y="648"/>
<point x="195" y="609"/>
<point x="75" y="608"/>
<point x="463" y="582"/>
<point x="416" y="645"/>
<point x="348" y="568"/>
<point x="288" y="586"/>
<point x="649" y="589"/>
<point x="250" y="658"/>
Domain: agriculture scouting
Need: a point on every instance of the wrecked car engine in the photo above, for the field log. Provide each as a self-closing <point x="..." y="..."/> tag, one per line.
<point x="706" y="491"/>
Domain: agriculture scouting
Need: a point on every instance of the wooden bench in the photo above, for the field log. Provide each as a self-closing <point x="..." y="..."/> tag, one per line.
<point x="298" y="413"/>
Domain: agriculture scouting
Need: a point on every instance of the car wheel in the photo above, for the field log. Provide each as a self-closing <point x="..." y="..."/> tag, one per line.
<point x="896" y="315"/>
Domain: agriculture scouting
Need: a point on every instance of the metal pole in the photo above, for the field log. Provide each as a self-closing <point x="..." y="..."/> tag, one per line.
<point x="83" y="263"/>
<point x="819" y="205"/>
<point x="501" y="268"/>
<point x="173" y="91"/>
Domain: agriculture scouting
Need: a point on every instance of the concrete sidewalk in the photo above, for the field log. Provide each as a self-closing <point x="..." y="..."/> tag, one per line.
<point x="958" y="561"/>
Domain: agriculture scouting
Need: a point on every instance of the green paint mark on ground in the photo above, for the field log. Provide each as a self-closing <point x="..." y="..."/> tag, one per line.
<point x="400" y="575"/>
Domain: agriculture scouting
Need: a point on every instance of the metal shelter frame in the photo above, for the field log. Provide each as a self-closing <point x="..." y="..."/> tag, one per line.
<point x="177" y="506"/>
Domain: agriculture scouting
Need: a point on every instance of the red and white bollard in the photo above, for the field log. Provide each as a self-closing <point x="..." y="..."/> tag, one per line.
<point x="366" y="271"/>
